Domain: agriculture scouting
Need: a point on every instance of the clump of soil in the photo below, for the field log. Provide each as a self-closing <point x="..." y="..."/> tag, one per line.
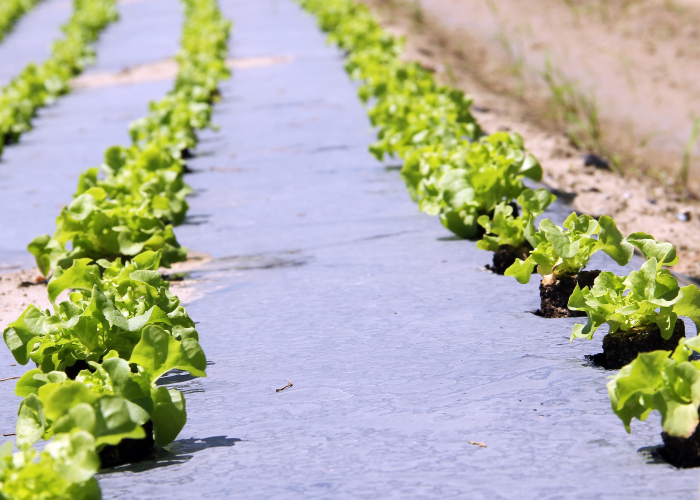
<point x="554" y="297"/>
<point x="505" y="257"/>
<point x="681" y="452"/>
<point x="129" y="450"/>
<point x="621" y="348"/>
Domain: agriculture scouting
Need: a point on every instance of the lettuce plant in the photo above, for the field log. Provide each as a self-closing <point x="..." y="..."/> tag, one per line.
<point x="104" y="313"/>
<point x="650" y="296"/>
<point x="64" y="470"/>
<point x="101" y="228"/>
<point x="504" y="229"/>
<point x="659" y="380"/>
<point x="493" y="173"/>
<point x="137" y="177"/>
<point x="565" y="251"/>
<point x="111" y="403"/>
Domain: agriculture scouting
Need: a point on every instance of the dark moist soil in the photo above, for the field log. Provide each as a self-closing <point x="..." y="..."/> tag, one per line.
<point x="554" y="298"/>
<point x="621" y="348"/>
<point x="129" y="450"/>
<point x="681" y="452"/>
<point x="505" y="257"/>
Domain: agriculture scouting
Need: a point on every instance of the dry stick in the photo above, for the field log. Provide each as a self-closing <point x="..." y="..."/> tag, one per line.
<point x="477" y="443"/>
<point x="285" y="387"/>
<point x="8" y="378"/>
<point x="8" y="434"/>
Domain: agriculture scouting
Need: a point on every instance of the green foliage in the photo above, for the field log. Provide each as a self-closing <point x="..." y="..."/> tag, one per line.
<point x="150" y="179"/>
<point x="132" y="208"/>
<point x="11" y="11"/>
<point x="660" y="381"/>
<point x="565" y="251"/>
<point x="650" y="296"/>
<point x="490" y="172"/>
<point x="103" y="314"/>
<point x="40" y="85"/>
<point x="63" y="470"/>
<point x="119" y="315"/>
<point x="102" y="228"/>
<point x="504" y="229"/>
<point x="449" y="168"/>
<point x="111" y="403"/>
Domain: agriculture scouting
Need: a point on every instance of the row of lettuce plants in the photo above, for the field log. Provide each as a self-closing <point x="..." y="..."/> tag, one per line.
<point x="101" y="351"/>
<point x="40" y="85"/>
<point x="475" y="184"/>
<point x="11" y="11"/>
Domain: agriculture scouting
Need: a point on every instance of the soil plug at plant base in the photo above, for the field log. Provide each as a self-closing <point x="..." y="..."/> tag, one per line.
<point x="642" y="311"/>
<point x="561" y="254"/>
<point x="667" y="383"/>
<point x="506" y="233"/>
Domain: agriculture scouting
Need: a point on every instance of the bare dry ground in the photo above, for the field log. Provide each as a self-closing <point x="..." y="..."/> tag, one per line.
<point x="17" y="291"/>
<point x="163" y="70"/>
<point x="460" y="40"/>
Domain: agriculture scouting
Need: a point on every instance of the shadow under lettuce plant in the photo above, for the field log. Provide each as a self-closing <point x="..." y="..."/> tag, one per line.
<point x="505" y="232"/>
<point x="561" y="254"/>
<point x="641" y="310"/>
<point x="670" y="384"/>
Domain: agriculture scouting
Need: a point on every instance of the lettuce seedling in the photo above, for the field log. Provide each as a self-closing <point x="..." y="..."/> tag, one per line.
<point x="111" y="403"/>
<point x="424" y="162"/>
<point x="504" y="229"/>
<point x="99" y="228"/>
<point x="137" y="177"/>
<point x="493" y="173"/>
<point x="64" y="470"/>
<point x="566" y="251"/>
<point x="102" y="314"/>
<point x="660" y="381"/>
<point x="650" y="296"/>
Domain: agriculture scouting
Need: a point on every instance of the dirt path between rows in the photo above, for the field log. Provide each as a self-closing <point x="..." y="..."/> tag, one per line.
<point x="636" y="202"/>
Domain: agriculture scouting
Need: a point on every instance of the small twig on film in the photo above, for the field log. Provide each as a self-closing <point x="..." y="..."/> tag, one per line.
<point x="285" y="387"/>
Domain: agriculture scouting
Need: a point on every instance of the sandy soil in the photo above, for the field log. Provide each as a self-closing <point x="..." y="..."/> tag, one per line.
<point x="163" y="70"/>
<point x="638" y="59"/>
<point x="637" y="203"/>
<point x="17" y="291"/>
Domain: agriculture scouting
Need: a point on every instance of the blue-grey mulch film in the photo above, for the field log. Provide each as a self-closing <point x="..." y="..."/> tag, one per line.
<point x="400" y="347"/>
